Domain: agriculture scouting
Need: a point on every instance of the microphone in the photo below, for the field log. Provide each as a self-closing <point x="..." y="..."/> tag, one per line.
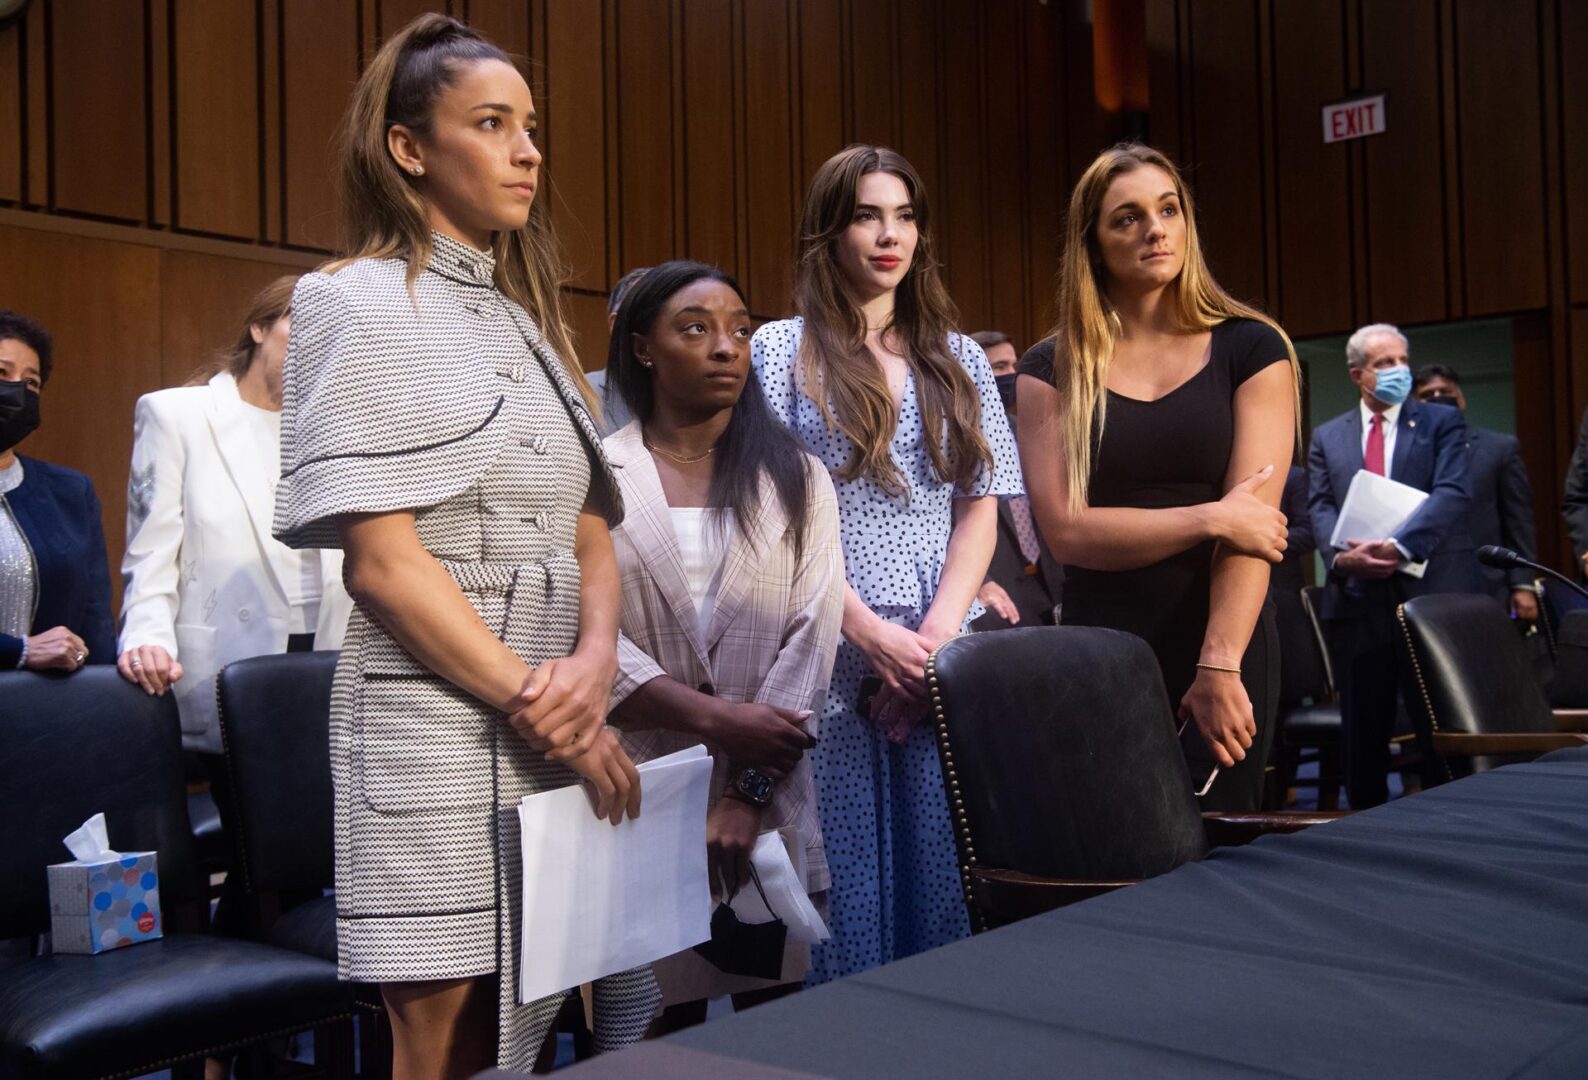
<point x="1505" y="559"/>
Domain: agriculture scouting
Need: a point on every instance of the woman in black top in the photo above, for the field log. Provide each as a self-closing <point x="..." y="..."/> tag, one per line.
<point x="1156" y="429"/>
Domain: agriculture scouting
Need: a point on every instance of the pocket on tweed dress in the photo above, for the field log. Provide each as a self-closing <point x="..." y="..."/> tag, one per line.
<point x="423" y="746"/>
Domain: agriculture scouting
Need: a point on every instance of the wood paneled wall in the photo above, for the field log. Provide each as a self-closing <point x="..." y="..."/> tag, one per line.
<point x="160" y="160"/>
<point x="1474" y="203"/>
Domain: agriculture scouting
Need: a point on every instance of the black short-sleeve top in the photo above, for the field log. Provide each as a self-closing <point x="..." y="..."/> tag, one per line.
<point x="1173" y="451"/>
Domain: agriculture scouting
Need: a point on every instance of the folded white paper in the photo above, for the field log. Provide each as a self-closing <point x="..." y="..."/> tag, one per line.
<point x="786" y="898"/>
<point x="1374" y="508"/>
<point x="599" y="898"/>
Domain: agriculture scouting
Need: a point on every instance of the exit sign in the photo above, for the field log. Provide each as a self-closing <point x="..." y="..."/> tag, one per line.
<point x="1353" y="119"/>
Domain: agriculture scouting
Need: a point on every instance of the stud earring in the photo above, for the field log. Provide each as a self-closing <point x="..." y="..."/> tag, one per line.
<point x="419" y="170"/>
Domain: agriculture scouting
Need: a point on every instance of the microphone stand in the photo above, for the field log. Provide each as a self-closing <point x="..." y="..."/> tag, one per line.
<point x="1504" y="558"/>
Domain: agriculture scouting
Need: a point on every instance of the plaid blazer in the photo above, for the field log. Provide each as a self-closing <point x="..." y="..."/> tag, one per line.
<point x="773" y="633"/>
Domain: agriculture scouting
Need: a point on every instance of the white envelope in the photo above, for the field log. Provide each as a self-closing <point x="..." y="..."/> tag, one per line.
<point x="599" y="898"/>
<point x="1375" y="507"/>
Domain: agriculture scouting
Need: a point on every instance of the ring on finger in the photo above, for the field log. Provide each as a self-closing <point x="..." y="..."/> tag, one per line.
<point x="135" y="663"/>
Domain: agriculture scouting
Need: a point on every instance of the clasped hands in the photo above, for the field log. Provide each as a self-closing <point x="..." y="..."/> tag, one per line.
<point x="562" y="710"/>
<point x="1376" y="559"/>
<point x="898" y="655"/>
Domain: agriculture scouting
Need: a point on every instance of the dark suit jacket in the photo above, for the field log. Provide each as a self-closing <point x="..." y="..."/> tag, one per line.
<point x="1574" y="507"/>
<point x="1034" y="595"/>
<point x="59" y="514"/>
<point x="1290" y="576"/>
<point x="1430" y="454"/>
<point x="1502" y="507"/>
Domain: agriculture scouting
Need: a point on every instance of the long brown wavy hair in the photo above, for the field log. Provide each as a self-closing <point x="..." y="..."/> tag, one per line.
<point x="836" y="368"/>
<point x="383" y="216"/>
<point x="1089" y="326"/>
<point x="268" y="307"/>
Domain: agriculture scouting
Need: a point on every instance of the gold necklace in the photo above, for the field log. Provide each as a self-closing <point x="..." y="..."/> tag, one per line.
<point x="681" y="460"/>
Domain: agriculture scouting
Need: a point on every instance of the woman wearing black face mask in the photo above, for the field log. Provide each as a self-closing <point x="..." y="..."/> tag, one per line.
<point x="54" y="576"/>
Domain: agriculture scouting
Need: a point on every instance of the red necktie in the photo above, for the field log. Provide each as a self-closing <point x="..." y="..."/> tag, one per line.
<point x="1373" y="456"/>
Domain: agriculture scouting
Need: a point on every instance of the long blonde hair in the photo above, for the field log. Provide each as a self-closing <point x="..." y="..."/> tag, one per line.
<point x="383" y="215"/>
<point x="267" y="308"/>
<point x="1089" y="327"/>
<point x="835" y="366"/>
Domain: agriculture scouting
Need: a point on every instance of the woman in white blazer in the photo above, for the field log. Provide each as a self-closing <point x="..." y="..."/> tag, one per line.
<point x="205" y="582"/>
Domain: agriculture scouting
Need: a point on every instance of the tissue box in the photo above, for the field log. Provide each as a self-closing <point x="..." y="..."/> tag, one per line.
<point x="104" y="903"/>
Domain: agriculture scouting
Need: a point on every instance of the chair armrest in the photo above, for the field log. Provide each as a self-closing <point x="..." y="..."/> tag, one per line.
<point x="1530" y="742"/>
<point x="1228" y="829"/>
<point x="1011" y="894"/>
<point x="1571" y="719"/>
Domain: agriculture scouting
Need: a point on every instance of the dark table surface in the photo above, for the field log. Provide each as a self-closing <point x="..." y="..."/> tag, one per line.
<point x="1442" y="935"/>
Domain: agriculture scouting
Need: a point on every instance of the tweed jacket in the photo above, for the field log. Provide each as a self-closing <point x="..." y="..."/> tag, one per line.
<point x="773" y="633"/>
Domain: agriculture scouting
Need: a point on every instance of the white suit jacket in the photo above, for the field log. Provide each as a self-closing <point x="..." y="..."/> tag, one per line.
<point x="202" y="574"/>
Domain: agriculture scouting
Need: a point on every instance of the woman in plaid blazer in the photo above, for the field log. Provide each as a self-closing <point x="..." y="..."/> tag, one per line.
<point x="732" y="582"/>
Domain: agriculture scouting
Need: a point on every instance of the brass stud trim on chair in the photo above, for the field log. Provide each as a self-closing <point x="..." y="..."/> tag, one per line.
<point x="961" y="823"/>
<point x="1422" y="687"/>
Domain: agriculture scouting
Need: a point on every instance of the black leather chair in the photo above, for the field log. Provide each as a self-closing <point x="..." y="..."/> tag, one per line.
<point x="1064" y="774"/>
<point x="274" y="716"/>
<point x="1309" y="710"/>
<point x="1475" y="699"/>
<point x="275" y="734"/>
<point x="92" y="742"/>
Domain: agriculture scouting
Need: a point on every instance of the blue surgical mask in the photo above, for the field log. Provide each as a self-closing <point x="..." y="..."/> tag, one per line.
<point x="1392" y="385"/>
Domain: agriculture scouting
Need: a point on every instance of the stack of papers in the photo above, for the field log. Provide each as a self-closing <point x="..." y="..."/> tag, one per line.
<point x="1375" y="508"/>
<point x="599" y="898"/>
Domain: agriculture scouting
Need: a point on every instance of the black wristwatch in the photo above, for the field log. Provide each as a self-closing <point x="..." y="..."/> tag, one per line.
<point x="751" y="786"/>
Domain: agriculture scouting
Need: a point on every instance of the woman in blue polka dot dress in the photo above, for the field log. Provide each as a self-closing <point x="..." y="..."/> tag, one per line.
<point x="870" y="367"/>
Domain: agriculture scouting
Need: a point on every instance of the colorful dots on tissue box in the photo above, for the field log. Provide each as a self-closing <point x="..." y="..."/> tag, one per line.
<point x="105" y="903"/>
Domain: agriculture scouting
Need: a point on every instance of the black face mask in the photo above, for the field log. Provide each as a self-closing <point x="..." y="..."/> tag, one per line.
<point x="19" y="413"/>
<point x="1442" y="399"/>
<point x="1006" y="388"/>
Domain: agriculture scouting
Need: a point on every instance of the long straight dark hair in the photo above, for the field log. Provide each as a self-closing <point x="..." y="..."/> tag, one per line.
<point x="754" y="441"/>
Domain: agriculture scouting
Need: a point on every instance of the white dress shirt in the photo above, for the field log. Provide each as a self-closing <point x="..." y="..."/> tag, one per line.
<point x="1392" y="416"/>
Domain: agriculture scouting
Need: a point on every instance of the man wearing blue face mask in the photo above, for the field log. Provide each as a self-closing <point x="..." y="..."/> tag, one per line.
<point x="1418" y="444"/>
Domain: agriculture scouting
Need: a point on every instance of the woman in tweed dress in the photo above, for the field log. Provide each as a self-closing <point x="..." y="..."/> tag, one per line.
<point x="733" y="584"/>
<point x="434" y="429"/>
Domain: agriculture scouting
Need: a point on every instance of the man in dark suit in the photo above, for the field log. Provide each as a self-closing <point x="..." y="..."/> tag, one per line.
<point x="1023" y="581"/>
<point x="1574" y="507"/>
<point x="1502" y="498"/>
<point x="1423" y="446"/>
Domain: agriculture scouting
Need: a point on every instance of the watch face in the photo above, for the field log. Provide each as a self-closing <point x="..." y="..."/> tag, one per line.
<point x="755" y="787"/>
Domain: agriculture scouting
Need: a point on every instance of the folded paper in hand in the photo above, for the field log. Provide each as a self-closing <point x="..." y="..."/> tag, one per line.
<point x="599" y="898"/>
<point x="1375" y="508"/>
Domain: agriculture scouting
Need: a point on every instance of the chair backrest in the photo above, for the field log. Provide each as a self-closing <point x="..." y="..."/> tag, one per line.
<point x="275" y="729"/>
<point x="1060" y="755"/>
<point x="1468" y="672"/>
<point x="1303" y="671"/>
<point x="73" y="746"/>
<point x="1311" y="599"/>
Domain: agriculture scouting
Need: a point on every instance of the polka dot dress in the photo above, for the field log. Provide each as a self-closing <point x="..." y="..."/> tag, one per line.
<point x="895" y="881"/>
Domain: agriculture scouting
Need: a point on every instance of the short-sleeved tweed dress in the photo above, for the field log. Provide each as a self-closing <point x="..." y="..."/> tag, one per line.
<point x="446" y="402"/>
